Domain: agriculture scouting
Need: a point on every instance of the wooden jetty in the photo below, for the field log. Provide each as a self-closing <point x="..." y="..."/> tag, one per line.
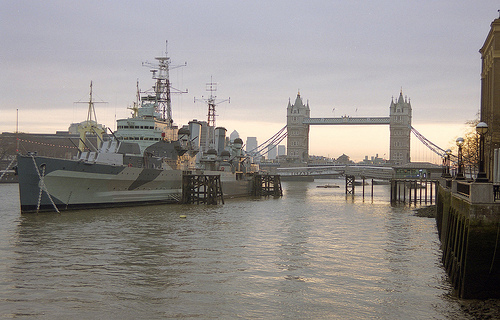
<point x="413" y="191"/>
<point x="200" y="188"/>
<point x="267" y="185"/>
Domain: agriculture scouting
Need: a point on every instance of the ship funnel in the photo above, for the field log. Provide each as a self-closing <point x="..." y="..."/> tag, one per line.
<point x="195" y="134"/>
<point x="183" y="134"/>
<point x="220" y="139"/>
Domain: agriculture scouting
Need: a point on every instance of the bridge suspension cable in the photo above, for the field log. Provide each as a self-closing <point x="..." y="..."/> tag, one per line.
<point x="429" y="144"/>
<point x="282" y="134"/>
<point x="274" y="141"/>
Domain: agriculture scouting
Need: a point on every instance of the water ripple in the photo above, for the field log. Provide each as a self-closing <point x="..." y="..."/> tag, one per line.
<point x="313" y="254"/>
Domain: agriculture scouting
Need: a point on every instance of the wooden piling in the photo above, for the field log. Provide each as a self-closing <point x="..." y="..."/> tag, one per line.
<point x="363" y="184"/>
<point x="349" y="184"/>
<point x="372" y="189"/>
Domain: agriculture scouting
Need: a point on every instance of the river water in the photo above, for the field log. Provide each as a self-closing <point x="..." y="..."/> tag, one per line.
<point x="312" y="254"/>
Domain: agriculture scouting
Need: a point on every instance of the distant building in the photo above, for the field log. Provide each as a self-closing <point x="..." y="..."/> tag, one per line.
<point x="251" y="144"/>
<point x="373" y="160"/>
<point x="73" y="128"/>
<point x="281" y="150"/>
<point x="343" y="159"/>
<point x="62" y="144"/>
<point x="234" y="135"/>
<point x="272" y="151"/>
<point x="490" y="93"/>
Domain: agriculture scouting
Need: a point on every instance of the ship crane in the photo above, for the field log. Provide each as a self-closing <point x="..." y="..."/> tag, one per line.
<point x="163" y="87"/>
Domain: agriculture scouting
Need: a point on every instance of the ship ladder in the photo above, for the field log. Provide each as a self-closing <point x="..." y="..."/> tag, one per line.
<point x="43" y="187"/>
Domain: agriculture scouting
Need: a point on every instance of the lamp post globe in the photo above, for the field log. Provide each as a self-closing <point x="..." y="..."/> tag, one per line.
<point x="482" y="127"/>
<point x="448" y="155"/>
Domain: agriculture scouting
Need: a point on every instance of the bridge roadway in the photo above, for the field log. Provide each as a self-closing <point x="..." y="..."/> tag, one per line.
<point x="347" y="120"/>
<point x="370" y="172"/>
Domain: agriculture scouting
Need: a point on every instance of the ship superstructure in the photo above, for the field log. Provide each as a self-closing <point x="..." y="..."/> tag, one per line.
<point x="151" y="119"/>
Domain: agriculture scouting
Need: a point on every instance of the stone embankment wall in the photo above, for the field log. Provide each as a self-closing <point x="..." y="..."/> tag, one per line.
<point x="468" y="226"/>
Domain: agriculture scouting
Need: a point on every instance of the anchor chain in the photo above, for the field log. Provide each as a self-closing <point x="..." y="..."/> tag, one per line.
<point x="43" y="187"/>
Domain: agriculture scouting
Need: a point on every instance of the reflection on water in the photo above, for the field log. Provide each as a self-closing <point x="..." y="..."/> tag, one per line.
<point x="313" y="254"/>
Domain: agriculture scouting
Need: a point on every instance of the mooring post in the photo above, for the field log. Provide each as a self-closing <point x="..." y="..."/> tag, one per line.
<point x="278" y="191"/>
<point x="420" y="190"/>
<point x="404" y="191"/>
<point x="399" y="190"/>
<point x="409" y="193"/>
<point x="432" y="188"/>
<point x="372" y="189"/>
<point x="415" y="192"/>
<point x="349" y="184"/>
<point x="363" y="187"/>
<point x="393" y="192"/>
<point x="425" y="191"/>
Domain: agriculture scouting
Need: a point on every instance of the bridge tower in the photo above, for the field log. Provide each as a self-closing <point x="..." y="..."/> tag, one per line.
<point x="400" y="130"/>
<point x="399" y="121"/>
<point x="298" y="133"/>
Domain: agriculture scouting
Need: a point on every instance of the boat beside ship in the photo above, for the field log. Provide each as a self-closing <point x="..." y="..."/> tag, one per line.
<point x="142" y="162"/>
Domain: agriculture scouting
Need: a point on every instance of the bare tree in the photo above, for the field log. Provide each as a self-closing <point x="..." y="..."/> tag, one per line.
<point x="470" y="148"/>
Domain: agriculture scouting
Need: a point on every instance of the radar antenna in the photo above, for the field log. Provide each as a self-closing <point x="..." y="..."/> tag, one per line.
<point x="212" y="102"/>
<point x="163" y="86"/>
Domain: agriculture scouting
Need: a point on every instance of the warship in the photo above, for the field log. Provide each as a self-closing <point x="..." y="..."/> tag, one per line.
<point x="142" y="162"/>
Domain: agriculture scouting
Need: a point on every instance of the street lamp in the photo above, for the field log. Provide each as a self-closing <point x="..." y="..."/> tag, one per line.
<point x="460" y="173"/>
<point x="444" y="167"/>
<point x="481" y="129"/>
<point x="447" y="163"/>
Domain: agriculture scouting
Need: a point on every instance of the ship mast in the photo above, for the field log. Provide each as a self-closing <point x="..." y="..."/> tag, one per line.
<point x="90" y="125"/>
<point x="91" y="110"/>
<point x="136" y="103"/>
<point x="163" y="86"/>
<point x="211" y="101"/>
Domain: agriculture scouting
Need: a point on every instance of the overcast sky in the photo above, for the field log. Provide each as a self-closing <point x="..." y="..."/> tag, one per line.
<point x="345" y="57"/>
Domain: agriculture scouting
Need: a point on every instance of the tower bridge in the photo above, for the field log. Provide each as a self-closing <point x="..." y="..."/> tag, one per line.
<point x="347" y="120"/>
<point x="399" y="121"/>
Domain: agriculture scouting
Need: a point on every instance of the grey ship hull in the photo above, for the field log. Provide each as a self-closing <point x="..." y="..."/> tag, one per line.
<point x="75" y="184"/>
